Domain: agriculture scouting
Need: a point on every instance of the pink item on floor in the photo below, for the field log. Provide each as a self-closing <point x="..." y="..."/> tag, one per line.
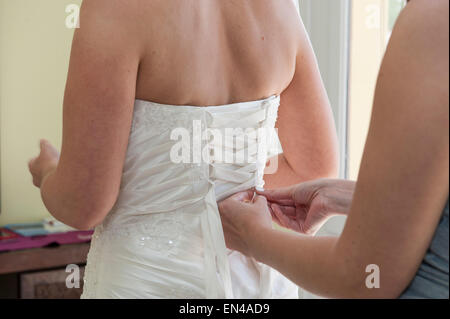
<point x="22" y="242"/>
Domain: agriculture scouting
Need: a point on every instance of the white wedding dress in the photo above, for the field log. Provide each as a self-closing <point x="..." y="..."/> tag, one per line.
<point x="163" y="238"/>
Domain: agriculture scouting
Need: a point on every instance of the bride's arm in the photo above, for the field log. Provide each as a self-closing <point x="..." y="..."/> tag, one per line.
<point x="97" y="114"/>
<point x="305" y="125"/>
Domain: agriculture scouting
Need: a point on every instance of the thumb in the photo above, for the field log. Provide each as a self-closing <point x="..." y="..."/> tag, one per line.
<point x="31" y="162"/>
<point x="43" y="143"/>
<point x="283" y="196"/>
<point x="260" y="201"/>
<point x="245" y="196"/>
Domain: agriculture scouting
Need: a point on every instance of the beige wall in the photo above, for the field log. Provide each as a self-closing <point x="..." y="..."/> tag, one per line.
<point x="368" y="44"/>
<point x="34" y="53"/>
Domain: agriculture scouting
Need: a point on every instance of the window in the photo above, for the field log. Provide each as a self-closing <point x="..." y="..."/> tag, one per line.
<point x="349" y="38"/>
<point x="372" y="22"/>
<point x="327" y="23"/>
<point x="34" y="44"/>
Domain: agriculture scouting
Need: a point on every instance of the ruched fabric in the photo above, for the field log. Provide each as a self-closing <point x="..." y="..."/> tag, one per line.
<point x="163" y="237"/>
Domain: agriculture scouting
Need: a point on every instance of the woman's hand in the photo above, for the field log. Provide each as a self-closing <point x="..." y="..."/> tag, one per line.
<point x="244" y="215"/>
<point x="44" y="163"/>
<point x="305" y="207"/>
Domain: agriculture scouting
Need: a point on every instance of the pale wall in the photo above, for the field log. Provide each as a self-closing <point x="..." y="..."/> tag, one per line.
<point x="34" y="55"/>
<point x="368" y="37"/>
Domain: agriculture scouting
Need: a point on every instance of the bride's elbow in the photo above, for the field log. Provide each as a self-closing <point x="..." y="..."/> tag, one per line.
<point x="328" y="163"/>
<point x="83" y="216"/>
<point x="92" y="207"/>
<point x="329" y="169"/>
<point x="82" y="206"/>
<point x="86" y="220"/>
<point x="320" y="168"/>
<point x="85" y="224"/>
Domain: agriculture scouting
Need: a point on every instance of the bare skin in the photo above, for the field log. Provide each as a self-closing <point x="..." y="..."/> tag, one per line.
<point x="305" y="207"/>
<point x="191" y="52"/>
<point x="401" y="190"/>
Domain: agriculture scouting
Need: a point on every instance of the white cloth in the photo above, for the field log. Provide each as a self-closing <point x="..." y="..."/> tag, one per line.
<point x="163" y="237"/>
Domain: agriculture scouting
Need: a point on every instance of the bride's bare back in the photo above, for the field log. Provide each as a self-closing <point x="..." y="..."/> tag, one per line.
<point x="211" y="52"/>
<point x="183" y="52"/>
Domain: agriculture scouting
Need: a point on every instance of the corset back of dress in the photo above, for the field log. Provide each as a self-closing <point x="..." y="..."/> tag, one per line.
<point x="165" y="227"/>
<point x="177" y="153"/>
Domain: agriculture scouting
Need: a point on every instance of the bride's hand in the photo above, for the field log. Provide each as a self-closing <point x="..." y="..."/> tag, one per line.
<point x="44" y="163"/>
<point x="242" y="216"/>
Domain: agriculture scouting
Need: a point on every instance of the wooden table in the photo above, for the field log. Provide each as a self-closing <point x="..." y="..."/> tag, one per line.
<point x="41" y="272"/>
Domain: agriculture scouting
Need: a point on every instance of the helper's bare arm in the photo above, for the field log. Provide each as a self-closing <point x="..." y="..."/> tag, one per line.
<point x="403" y="182"/>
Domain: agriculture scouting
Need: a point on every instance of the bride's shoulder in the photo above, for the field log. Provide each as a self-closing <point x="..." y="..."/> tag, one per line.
<point x="108" y="24"/>
<point x="110" y="14"/>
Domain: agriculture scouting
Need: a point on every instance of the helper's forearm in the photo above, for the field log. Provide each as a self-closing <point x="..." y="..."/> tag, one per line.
<point x="322" y="271"/>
